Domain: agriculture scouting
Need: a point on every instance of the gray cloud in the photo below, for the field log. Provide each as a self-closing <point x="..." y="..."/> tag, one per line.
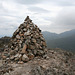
<point x="62" y="2"/>
<point x="64" y="21"/>
<point x="54" y="2"/>
<point x="28" y="1"/>
<point x="38" y="9"/>
<point x="66" y="17"/>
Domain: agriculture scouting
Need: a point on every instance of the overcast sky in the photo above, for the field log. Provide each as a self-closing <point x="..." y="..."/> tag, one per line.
<point x="50" y="15"/>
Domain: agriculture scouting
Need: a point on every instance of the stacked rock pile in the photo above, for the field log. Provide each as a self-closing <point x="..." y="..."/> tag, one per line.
<point x="27" y="42"/>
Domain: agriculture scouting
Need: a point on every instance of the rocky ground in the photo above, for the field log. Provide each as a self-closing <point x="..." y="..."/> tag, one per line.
<point x="55" y="62"/>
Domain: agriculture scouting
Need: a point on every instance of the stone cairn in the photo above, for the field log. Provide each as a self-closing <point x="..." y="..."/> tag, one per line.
<point x="27" y="42"/>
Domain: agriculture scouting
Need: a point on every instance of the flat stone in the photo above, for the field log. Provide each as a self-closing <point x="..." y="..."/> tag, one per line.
<point x="20" y="62"/>
<point x="12" y="52"/>
<point x="40" y="52"/>
<point x="17" y="58"/>
<point x="17" y="55"/>
<point x="12" y="57"/>
<point x="24" y="29"/>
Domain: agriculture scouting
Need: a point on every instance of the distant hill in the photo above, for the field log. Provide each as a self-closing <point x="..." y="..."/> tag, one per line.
<point x="4" y="41"/>
<point x="64" y="40"/>
<point x="49" y="36"/>
<point x="67" y="33"/>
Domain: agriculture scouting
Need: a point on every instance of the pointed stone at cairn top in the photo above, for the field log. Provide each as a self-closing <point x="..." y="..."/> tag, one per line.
<point x="28" y="19"/>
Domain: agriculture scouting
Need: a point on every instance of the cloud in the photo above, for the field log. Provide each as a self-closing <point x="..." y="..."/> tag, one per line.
<point x="38" y="10"/>
<point x="54" y="2"/>
<point x="66" y="17"/>
<point x="62" y="2"/>
<point x="27" y="2"/>
<point x="64" y="21"/>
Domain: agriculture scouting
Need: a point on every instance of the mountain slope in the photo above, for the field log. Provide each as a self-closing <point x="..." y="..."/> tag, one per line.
<point x="64" y="40"/>
<point x="67" y="34"/>
<point x="67" y="43"/>
<point x="49" y="36"/>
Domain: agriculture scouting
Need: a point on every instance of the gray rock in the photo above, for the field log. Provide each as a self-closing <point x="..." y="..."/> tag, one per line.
<point x="16" y="49"/>
<point x="25" y="58"/>
<point x="34" y="40"/>
<point x="27" y="33"/>
<point x="12" y="57"/>
<point x="17" y="36"/>
<point x="40" y="52"/>
<point x="25" y="30"/>
<point x="20" y="42"/>
<point x="35" y="52"/>
<point x="17" y="55"/>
